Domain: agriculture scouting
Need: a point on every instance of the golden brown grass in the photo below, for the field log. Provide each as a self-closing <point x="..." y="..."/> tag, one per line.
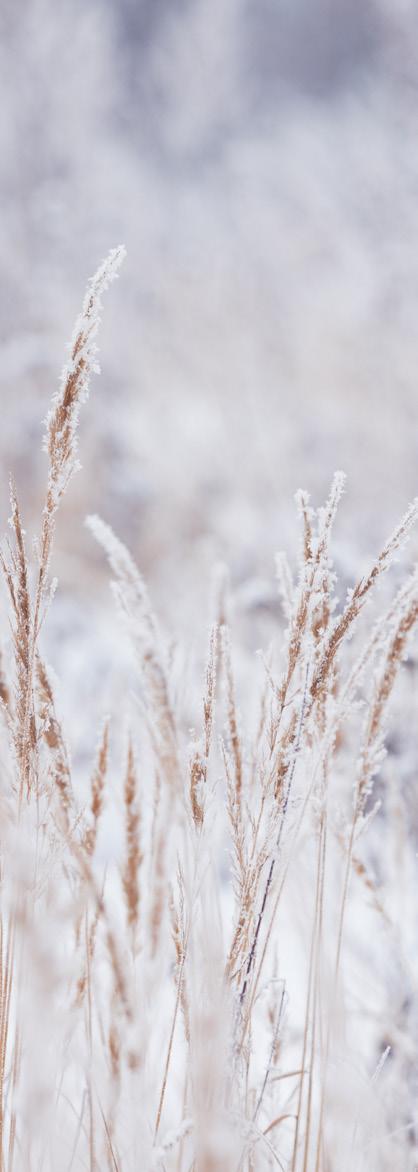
<point x="173" y="1011"/>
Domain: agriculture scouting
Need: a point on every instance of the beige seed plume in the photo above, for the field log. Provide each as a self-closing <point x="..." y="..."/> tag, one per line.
<point x="97" y="789"/>
<point x="61" y="425"/>
<point x="61" y="446"/>
<point x="133" y="847"/>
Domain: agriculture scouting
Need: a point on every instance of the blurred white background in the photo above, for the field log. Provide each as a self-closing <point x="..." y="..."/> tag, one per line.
<point x="259" y="161"/>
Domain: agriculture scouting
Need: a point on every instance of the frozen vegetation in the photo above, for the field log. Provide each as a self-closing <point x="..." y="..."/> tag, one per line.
<point x="208" y="855"/>
<point x="209" y="959"/>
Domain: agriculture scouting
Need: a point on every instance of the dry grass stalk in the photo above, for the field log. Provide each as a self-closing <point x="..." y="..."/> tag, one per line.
<point x="180" y="944"/>
<point x="235" y="747"/>
<point x="369" y="759"/>
<point x="61" y="445"/>
<point x="53" y="736"/>
<point x="118" y="1070"/>
<point x="98" y="782"/>
<point x="15" y="569"/>
<point x="62" y="421"/>
<point x="134" y="855"/>
<point x="200" y="755"/>
<point x="359" y="596"/>
<point x="132" y="598"/>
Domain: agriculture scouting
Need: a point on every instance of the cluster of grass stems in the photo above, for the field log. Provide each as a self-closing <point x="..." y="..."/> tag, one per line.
<point x="157" y="1013"/>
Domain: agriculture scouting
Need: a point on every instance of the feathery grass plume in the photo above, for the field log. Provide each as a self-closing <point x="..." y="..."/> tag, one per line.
<point x="209" y="698"/>
<point x="134" y="855"/>
<point x="180" y="938"/>
<point x="235" y="747"/>
<point x="247" y="861"/>
<point x="61" y="445"/>
<point x="159" y="878"/>
<point x="373" y="646"/>
<point x="14" y="564"/>
<point x="132" y="597"/>
<point x="201" y="750"/>
<point x="196" y="789"/>
<point x="312" y="573"/>
<point x="53" y="737"/>
<point x="88" y="845"/>
<point x="62" y="421"/>
<point x="308" y="516"/>
<point x="246" y="871"/>
<point x="98" y="782"/>
<point x="393" y="654"/>
<point x="358" y="597"/>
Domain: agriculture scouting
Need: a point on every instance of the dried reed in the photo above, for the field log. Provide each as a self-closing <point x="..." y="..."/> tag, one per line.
<point x="144" y="1002"/>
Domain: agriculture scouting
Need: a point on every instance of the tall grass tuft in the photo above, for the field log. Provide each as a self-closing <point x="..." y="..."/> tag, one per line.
<point x="238" y="993"/>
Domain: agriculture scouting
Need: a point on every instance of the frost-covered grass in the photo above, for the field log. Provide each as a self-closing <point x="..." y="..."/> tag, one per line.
<point x="208" y="954"/>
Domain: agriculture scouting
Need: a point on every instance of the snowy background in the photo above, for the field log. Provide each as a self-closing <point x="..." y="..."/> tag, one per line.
<point x="259" y="161"/>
